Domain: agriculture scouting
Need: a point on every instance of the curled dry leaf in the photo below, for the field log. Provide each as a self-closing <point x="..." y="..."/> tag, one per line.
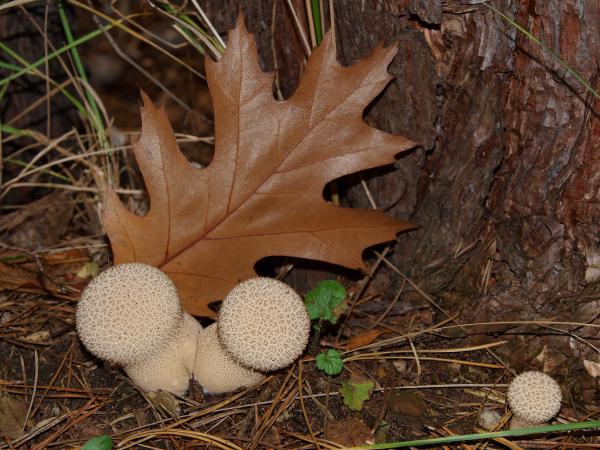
<point x="262" y="194"/>
<point x="363" y="338"/>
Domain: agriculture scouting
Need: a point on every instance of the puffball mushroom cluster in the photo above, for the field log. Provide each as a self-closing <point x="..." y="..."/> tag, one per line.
<point x="131" y="315"/>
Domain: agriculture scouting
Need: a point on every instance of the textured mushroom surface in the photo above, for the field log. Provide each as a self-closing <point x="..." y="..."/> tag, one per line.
<point x="263" y="324"/>
<point x="517" y="422"/>
<point x="131" y="314"/>
<point x="215" y="370"/>
<point x="171" y="367"/>
<point x="534" y="397"/>
<point x="128" y="312"/>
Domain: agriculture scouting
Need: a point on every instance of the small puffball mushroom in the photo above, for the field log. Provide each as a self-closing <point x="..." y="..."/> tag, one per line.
<point x="263" y="324"/>
<point x="534" y="398"/>
<point x="131" y="315"/>
<point x="215" y="369"/>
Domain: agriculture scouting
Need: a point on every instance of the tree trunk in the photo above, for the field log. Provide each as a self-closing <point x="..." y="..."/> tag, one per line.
<point x="505" y="186"/>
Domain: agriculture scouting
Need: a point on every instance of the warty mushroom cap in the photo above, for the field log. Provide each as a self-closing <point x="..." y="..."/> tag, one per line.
<point x="534" y="397"/>
<point x="127" y="312"/>
<point x="215" y="370"/>
<point x="131" y="314"/>
<point x="263" y="324"/>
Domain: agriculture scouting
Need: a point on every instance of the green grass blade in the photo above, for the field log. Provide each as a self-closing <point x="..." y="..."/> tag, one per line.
<point x="555" y="54"/>
<point x="14" y="131"/>
<point x="12" y="258"/>
<point x="8" y="66"/>
<point x="98" y="124"/>
<point x="491" y="435"/>
<point x="188" y="36"/>
<point x="185" y="23"/>
<point x="19" y="163"/>
<point x="316" y="12"/>
<point x="3" y="90"/>
<point x="29" y="67"/>
<point x="118" y="23"/>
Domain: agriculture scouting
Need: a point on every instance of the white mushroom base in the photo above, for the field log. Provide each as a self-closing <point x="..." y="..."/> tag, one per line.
<point x="215" y="370"/>
<point x="171" y="368"/>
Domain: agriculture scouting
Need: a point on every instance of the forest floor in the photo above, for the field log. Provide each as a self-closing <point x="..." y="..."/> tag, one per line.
<point x="429" y="380"/>
<point x="431" y="375"/>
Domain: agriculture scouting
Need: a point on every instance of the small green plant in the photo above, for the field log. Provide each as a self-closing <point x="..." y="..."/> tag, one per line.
<point x="103" y="442"/>
<point x="325" y="302"/>
<point x="330" y="361"/>
<point x="355" y="392"/>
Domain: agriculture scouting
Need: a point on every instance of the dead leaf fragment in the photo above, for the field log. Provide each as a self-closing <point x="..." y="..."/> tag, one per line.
<point x="400" y="365"/>
<point x="88" y="270"/>
<point x="363" y="338"/>
<point x="262" y="194"/>
<point x="19" y="272"/>
<point x="407" y="403"/>
<point x="41" y="224"/>
<point x="12" y="416"/>
<point x="165" y="400"/>
<point x="37" y="337"/>
<point x="592" y="368"/>
<point x="350" y="432"/>
<point x="14" y="278"/>
<point x="488" y="419"/>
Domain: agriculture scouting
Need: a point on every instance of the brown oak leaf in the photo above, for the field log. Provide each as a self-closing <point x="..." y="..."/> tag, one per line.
<point x="262" y="194"/>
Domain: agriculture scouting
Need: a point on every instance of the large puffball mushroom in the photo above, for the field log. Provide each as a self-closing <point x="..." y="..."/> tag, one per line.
<point x="131" y="315"/>
<point x="215" y="370"/>
<point x="263" y="324"/>
<point x="534" y="398"/>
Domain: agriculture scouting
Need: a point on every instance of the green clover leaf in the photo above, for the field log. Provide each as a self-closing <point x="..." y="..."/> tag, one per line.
<point x="330" y="362"/>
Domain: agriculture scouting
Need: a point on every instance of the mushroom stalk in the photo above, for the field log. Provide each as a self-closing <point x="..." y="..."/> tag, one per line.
<point x="173" y="365"/>
<point x="215" y="370"/>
